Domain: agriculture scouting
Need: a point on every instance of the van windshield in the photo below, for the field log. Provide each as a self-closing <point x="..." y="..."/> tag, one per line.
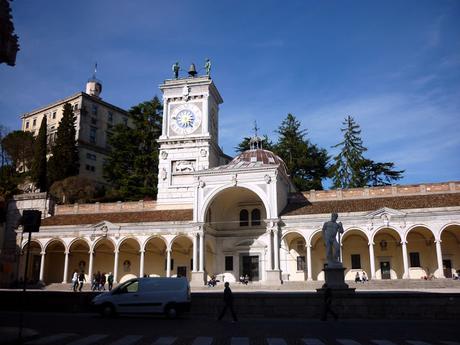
<point x="129" y="286"/>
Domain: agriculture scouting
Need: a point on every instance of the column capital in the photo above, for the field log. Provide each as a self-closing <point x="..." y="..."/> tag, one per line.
<point x="371" y="244"/>
<point x="90" y="252"/>
<point x="308" y="245"/>
<point x="272" y="222"/>
<point x="142" y="251"/>
<point x="168" y="250"/>
<point x="42" y="253"/>
<point x="403" y="243"/>
<point x="116" y="251"/>
<point x="67" y="252"/>
<point x="438" y="241"/>
<point x="269" y="230"/>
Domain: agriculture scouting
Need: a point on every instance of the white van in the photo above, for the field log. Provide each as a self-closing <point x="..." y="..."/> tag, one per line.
<point x="170" y="296"/>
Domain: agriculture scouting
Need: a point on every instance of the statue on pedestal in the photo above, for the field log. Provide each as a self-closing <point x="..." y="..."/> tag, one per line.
<point x="207" y="66"/>
<point x="330" y="231"/>
<point x="175" y="69"/>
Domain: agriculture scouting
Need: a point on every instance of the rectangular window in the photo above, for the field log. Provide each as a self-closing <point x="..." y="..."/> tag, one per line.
<point x="54" y="115"/>
<point x="91" y="156"/>
<point x="34" y="123"/>
<point x="75" y="106"/>
<point x="27" y="124"/>
<point x="125" y="121"/>
<point x="301" y="263"/>
<point x="92" y="135"/>
<point x="94" y="110"/>
<point x="414" y="259"/>
<point x="90" y="168"/>
<point x="355" y="261"/>
<point x="110" y="116"/>
<point x="229" y="263"/>
<point x="93" y="121"/>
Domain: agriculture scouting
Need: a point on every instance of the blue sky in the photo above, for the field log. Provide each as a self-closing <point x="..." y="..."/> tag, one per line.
<point x="393" y="65"/>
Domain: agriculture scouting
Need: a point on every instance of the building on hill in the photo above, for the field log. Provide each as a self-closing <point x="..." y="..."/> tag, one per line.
<point x="95" y="119"/>
<point x="216" y="216"/>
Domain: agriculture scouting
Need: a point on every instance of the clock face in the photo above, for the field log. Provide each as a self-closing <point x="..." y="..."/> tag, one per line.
<point x="185" y="119"/>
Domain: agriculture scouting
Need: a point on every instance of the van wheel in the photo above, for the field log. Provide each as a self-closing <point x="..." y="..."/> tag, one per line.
<point x="107" y="310"/>
<point x="171" y="311"/>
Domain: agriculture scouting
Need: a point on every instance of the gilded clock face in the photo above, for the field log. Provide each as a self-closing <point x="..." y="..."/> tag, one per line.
<point x="185" y="119"/>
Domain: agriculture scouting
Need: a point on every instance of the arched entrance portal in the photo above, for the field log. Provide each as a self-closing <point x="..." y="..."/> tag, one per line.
<point x="155" y="257"/>
<point x="388" y="254"/>
<point x="235" y="228"/>
<point x="35" y="263"/>
<point x="450" y="248"/>
<point x="54" y="262"/>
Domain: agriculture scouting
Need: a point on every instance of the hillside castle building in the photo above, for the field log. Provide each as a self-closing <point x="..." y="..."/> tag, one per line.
<point x="223" y="216"/>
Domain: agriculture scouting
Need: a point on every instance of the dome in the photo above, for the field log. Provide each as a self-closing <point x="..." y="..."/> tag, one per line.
<point x="257" y="157"/>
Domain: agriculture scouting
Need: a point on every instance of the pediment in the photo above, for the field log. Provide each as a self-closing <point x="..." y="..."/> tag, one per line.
<point x="385" y="212"/>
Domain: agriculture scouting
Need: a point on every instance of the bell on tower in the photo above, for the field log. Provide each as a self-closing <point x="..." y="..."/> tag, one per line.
<point x="94" y="85"/>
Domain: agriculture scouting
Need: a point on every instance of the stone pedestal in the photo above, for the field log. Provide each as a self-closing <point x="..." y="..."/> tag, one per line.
<point x="335" y="277"/>
<point x="273" y="277"/>
<point x="198" y="279"/>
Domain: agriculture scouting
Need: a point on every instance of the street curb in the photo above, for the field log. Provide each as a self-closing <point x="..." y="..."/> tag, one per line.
<point x="9" y="335"/>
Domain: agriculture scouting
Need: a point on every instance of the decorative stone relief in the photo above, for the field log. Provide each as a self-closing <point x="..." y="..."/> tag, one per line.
<point x="184" y="166"/>
<point x="235" y="179"/>
<point x="163" y="174"/>
<point x="164" y="154"/>
<point x="203" y="153"/>
<point x="201" y="184"/>
<point x="267" y="178"/>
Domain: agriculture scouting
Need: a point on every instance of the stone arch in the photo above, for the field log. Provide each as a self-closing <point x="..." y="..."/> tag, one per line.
<point x="54" y="239"/>
<point x="388" y="253"/>
<point x="126" y="238"/>
<point x="355" y="252"/>
<point x="213" y="194"/>
<point x="181" y="256"/>
<point x="55" y="250"/>
<point x="143" y="244"/>
<point x="33" y="240"/>
<point x="78" y="249"/>
<point x="155" y="248"/>
<point x="128" y="263"/>
<point x="102" y="239"/>
<point x="33" y="269"/>
<point x="421" y="251"/>
<point x="318" y="254"/>
<point x="104" y="256"/>
<point x="450" y="249"/>
<point x="293" y="258"/>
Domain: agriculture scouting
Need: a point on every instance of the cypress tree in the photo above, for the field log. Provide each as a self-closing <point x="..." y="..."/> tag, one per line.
<point x="39" y="164"/>
<point x="64" y="161"/>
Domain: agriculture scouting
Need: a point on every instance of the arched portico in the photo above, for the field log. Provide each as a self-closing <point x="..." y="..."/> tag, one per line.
<point x="355" y="253"/>
<point x="294" y="260"/>
<point x="421" y="252"/>
<point x="54" y="261"/>
<point x="450" y="250"/>
<point x="181" y="257"/>
<point x="35" y="269"/>
<point x="235" y="215"/>
<point x="155" y="257"/>
<point x="78" y="258"/>
<point x="318" y="253"/>
<point x="128" y="263"/>
<point x="104" y="258"/>
<point x="389" y="254"/>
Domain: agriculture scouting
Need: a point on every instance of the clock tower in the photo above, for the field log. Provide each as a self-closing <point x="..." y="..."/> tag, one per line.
<point x="189" y="139"/>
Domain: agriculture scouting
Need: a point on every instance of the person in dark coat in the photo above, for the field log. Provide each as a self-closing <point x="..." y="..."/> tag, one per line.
<point x="228" y="303"/>
<point x="81" y="280"/>
<point x="327" y="305"/>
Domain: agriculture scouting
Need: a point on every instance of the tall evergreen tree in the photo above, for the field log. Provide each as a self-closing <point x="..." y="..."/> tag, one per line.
<point x="132" y="165"/>
<point x="39" y="164"/>
<point x="346" y="171"/>
<point x="306" y="162"/>
<point x="351" y="169"/>
<point x="64" y="161"/>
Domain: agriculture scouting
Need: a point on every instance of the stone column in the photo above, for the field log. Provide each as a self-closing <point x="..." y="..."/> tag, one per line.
<point x="202" y="252"/>
<point x="195" y="252"/>
<point x="276" y="249"/>
<point x="269" y="266"/>
<point x="115" y="267"/>
<point x="42" y="266"/>
<point x="141" y="264"/>
<point x="66" y="267"/>
<point x="168" y="262"/>
<point x="440" y="273"/>
<point x="90" y="269"/>
<point x="309" y="272"/>
<point x="405" y="260"/>
<point x="372" y="259"/>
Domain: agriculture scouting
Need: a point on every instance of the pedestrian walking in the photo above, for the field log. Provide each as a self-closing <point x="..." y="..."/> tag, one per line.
<point x="81" y="280"/>
<point x="110" y="281"/>
<point x="228" y="303"/>
<point x="327" y="305"/>
<point x="75" y="281"/>
<point x="103" y="280"/>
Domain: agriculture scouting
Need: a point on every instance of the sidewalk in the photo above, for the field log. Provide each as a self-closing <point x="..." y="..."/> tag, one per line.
<point x="9" y="335"/>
